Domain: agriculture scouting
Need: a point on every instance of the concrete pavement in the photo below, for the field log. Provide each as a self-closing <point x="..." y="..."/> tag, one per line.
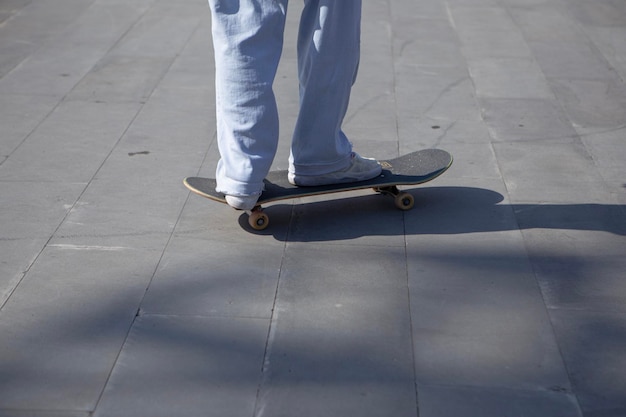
<point x="503" y="293"/>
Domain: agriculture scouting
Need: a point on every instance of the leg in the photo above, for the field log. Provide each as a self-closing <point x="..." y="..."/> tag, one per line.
<point x="247" y="40"/>
<point x="328" y="59"/>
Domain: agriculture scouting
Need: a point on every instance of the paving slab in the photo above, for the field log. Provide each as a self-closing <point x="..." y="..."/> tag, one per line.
<point x="19" y="117"/>
<point x="482" y="321"/>
<point x="443" y="401"/>
<point x="592" y="351"/>
<point x="578" y="264"/>
<point x="187" y="366"/>
<point x="92" y="128"/>
<point x="196" y="277"/>
<point x="36" y="209"/>
<point x="606" y="148"/>
<point x="60" y="341"/>
<point x="121" y="78"/>
<point x="27" y="25"/>
<point x="574" y="60"/>
<point x="27" y="220"/>
<point x="610" y="42"/>
<point x="432" y="94"/>
<point x="472" y="304"/>
<point x="30" y="20"/>
<point x="562" y="168"/>
<point x="163" y="30"/>
<point x="18" y="254"/>
<point x="449" y="134"/>
<point x="469" y="18"/>
<point x="550" y="23"/>
<point x="519" y="78"/>
<point x="485" y="43"/>
<point x="427" y="9"/>
<point x="526" y="120"/>
<point x="594" y="103"/>
<point x="325" y="356"/>
<point x="55" y="69"/>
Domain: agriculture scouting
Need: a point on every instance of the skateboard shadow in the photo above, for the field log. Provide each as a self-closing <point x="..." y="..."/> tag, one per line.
<point x="437" y="211"/>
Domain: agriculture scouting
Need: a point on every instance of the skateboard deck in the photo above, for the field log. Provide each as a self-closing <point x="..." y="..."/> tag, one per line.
<point x="410" y="169"/>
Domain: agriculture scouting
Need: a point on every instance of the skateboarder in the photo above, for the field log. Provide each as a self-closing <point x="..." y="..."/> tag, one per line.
<point x="248" y="40"/>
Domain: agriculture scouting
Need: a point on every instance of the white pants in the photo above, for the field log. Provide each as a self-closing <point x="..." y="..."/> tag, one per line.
<point x="248" y="41"/>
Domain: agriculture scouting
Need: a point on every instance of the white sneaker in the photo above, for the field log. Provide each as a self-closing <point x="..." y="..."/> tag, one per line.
<point x="360" y="169"/>
<point x="239" y="202"/>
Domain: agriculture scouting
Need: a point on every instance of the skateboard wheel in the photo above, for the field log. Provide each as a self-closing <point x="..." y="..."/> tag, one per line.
<point x="404" y="201"/>
<point x="258" y="220"/>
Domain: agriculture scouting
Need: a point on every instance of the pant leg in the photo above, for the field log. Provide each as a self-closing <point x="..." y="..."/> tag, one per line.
<point x="328" y="59"/>
<point x="247" y="40"/>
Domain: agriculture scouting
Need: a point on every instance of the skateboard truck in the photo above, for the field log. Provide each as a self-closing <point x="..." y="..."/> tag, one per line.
<point x="403" y="200"/>
<point x="257" y="219"/>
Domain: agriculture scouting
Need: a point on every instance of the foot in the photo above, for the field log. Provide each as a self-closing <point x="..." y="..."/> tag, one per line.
<point x="239" y="202"/>
<point x="360" y="169"/>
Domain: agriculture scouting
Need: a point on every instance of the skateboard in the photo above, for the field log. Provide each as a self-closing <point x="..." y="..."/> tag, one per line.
<point x="410" y="169"/>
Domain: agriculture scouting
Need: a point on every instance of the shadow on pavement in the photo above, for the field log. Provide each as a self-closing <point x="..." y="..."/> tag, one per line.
<point x="437" y="211"/>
